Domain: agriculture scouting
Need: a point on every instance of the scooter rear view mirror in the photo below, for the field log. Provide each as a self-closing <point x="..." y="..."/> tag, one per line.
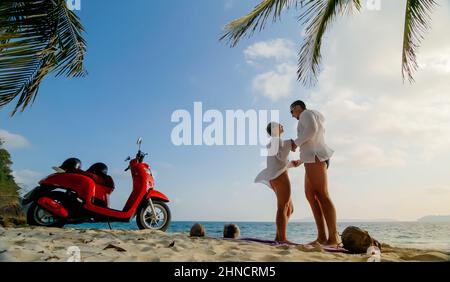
<point x="139" y="142"/>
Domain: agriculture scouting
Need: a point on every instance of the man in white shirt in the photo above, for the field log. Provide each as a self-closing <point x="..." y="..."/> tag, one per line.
<point x="316" y="155"/>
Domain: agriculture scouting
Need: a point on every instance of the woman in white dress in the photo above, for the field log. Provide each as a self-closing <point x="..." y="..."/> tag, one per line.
<point x="276" y="177"/>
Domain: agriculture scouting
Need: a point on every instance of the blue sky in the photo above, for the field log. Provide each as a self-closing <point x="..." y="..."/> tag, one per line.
<point x="151" y="58"/>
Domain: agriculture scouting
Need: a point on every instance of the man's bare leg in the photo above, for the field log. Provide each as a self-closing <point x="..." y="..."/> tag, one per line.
<point x="317" y="174"/>
<point x="317" y="213"/>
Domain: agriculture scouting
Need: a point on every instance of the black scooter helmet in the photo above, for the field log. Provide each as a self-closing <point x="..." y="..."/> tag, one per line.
<point x="71" y="164"/>
<point x="99" y="169"/>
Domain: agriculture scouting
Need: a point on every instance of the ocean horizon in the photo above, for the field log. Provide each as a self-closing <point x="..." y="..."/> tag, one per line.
<point x="407" y="234"/>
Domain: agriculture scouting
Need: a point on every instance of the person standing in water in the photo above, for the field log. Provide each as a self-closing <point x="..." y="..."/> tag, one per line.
<point x="316" y="155"/>
<point x="276" y="177"/>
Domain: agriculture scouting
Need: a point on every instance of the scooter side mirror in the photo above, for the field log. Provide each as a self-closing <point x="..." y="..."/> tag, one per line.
<point x="139" y="142"/>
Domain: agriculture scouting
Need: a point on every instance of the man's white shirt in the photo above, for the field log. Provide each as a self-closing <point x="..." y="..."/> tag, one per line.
<point x="311" y="137"/>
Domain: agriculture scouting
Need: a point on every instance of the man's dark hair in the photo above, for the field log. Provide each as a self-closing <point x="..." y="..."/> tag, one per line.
<point x="298" y="103"/>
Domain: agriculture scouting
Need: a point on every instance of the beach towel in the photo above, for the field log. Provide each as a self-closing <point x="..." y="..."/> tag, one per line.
<point x="331" y="249"/>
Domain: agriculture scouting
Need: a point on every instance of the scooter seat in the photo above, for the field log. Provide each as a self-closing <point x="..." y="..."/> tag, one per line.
<point x="104" y="180"/>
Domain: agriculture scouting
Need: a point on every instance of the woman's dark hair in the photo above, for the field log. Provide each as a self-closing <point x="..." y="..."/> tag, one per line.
<point x="269" y="127"/>
<point x="298" y="103"/>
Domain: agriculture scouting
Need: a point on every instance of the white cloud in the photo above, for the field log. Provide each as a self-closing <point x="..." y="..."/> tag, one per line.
<point x="278" y="57"/>
<point x="279" y="49"/>
<point x="439" y="191"/>
<point x="372" y="117"/>
<point x="437" y="61"/>
<point x="277" y="83"/>
<point x="27" y="179"/>
<point x="229" y="4"/>
<point x="13" y="141"/>
<point x="370" y="155"/>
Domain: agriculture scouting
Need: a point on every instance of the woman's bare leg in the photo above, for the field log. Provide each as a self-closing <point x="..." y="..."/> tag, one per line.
<point x="317" y="212"/>
<point x="290" y="208"/>
<point x="282" y="187"/>
<point x="317" y="175"/>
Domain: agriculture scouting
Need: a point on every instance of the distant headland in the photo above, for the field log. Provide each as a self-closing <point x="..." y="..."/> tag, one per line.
<point x="435" y="218"/>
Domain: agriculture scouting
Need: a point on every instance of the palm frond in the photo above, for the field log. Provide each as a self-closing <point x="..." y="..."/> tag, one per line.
<point x="36" y="39"/>
<point x="72" y="44"/>
<point x="417" y="20"/>
<point x="317" y="15"/>
<point x="255" y="20"/>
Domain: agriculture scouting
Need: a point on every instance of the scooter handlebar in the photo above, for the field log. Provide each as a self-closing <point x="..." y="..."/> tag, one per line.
<point x="139" y="157"/>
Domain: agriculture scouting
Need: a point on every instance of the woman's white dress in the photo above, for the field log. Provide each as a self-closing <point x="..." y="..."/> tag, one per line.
<point x="276" y="163"/>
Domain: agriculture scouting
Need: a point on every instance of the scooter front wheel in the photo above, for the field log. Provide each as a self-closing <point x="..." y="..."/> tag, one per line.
<point x="159" y="220"/>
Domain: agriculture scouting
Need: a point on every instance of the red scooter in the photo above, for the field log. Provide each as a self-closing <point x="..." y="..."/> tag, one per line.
<point x="72" y="196"/>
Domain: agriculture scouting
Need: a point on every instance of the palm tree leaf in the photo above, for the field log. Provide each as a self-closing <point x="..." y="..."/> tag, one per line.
<point x="37" y="38"/>
<point x="317" y="15"/>
<point x="417" y="20"/>
<point x="255" y="20"/>
<point x="72" y="44"/>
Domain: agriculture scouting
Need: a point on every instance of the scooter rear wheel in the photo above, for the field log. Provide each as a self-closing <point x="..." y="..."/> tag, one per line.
<point x="147" y="220"/>
<point x="39" y="217"/>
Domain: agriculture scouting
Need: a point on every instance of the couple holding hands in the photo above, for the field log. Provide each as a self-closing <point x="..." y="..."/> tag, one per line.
<point x="315" y="156"/>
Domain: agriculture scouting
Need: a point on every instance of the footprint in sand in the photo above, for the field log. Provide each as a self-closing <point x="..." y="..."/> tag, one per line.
<point x="309" y="248"/>
<point x="272" y="258"/>
<point x="20" y="243"/>
<point x="285" y="252"/>
<point x="85" y="241"/>
<point x="146" y="249"/>
<point x="283" y="247"/>
<point x="431" y="256"/>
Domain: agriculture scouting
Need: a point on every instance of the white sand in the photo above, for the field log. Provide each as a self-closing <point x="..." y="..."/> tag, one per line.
<point x="50" y="244"/>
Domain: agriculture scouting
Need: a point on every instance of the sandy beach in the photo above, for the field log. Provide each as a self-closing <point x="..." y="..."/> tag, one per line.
<point x="30" y="244"/>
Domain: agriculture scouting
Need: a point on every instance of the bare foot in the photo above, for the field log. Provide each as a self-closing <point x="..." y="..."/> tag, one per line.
<point x="318" y="242"/>
<point x="334" y="242"/>
<point x="286" y="242"/>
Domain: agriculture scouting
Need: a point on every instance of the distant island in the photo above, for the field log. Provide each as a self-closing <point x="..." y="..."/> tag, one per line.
<point x="311" y="219"/>
<point x="428" y="218"/>
<point x="435" y="218"/>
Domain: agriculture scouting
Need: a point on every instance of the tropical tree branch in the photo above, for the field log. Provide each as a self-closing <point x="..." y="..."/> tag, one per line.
<point x="417" y="21"/>
<point x="36" y="39"/>
<point x="317" y="16"/>
<point x="255" y="20"/>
